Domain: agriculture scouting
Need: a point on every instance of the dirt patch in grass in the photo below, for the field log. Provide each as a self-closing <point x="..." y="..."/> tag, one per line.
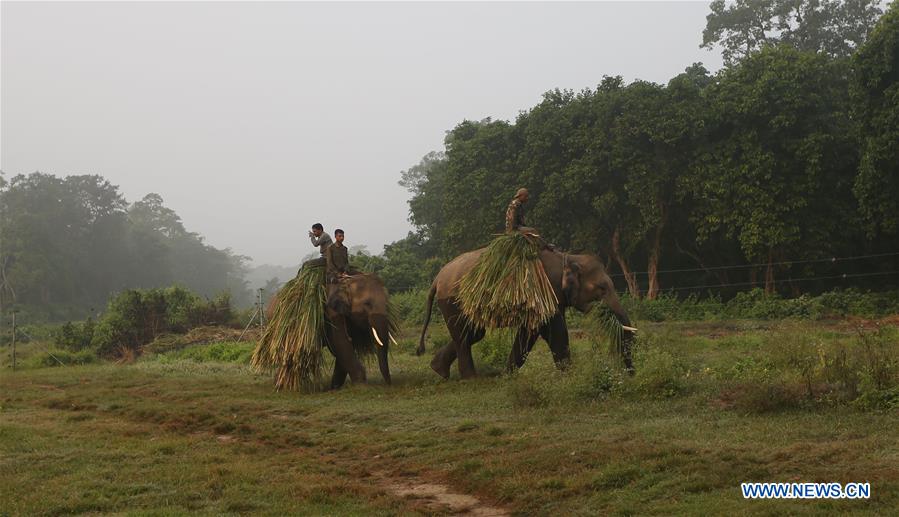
<point x="437" y="497"/>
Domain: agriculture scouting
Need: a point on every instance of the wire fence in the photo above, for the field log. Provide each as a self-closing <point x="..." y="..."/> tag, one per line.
<point x="831" y="260"/>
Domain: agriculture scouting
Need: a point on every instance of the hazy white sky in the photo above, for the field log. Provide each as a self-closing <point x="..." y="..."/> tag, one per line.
<point x="254" y="120"/>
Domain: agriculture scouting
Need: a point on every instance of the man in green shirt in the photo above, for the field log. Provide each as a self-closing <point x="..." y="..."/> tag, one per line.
<point x="337" y="258"/>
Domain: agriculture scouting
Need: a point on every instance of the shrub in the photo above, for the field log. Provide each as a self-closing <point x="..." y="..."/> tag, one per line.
<point x="595" y="379"/>
<point x="493" y="350"/>
<point x="135" y="317"/>
<point x="225" y="352"/>
<point x="56" y="357"/>
<point x="755" y="304"/>
<point x="659" y="373"/>
<point x="411" y="306"/>
<point x="74" y="336"/>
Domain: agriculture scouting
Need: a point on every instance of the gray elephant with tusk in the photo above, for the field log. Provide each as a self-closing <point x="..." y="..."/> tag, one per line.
<point x="357" y="321"/>
<point x="577" y="280"/>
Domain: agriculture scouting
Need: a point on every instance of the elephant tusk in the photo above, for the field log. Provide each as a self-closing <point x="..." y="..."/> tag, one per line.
<point x="393" y="340"/>
<point x="625" y="327"/>
<point x="378" y="339"/>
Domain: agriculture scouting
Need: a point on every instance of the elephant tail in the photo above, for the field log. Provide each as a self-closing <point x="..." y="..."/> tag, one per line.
<point x="424" y="329"/>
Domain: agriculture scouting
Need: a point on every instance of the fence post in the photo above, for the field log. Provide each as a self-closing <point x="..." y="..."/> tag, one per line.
<point x="13" y="340"/>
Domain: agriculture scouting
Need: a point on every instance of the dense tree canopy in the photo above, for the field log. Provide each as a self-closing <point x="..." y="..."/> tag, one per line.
<point x="876" y="93"/>
<point x="71" y="242"/>
<point x="770" y="165"/>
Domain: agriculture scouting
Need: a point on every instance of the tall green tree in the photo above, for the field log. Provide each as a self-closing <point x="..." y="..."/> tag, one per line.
<point x="778" y="167"/>
<point x="66" y="244"/>
<point x="876" y="96"/>
<point x="655" y="141"/>
<point x="833" y="27"/>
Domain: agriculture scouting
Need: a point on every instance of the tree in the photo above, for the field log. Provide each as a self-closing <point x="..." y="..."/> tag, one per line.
<point x="410" y="263"/>
<point x="777" y="168"/>
<point x="832" y="27"/>
<point x="876" y="98"/>
<point x="69" y="243"/>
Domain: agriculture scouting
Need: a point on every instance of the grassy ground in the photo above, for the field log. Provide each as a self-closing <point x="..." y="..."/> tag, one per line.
<point x="713" y="404"/>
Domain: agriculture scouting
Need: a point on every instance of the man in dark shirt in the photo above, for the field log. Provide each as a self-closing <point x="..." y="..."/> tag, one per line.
<point x="515" y="212"/>
<point x="321" y="240"/>
<point x="515" y="219"/>
<point x="337" y="258"/>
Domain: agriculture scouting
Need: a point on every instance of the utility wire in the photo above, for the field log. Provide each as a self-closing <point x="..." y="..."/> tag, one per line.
<point x="764" y="264"/>
<point x="845" y="275"/>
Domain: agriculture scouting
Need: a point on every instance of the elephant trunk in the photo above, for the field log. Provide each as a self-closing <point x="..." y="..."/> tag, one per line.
<point x="628" y="332"/>
<point x="380" y="329"/>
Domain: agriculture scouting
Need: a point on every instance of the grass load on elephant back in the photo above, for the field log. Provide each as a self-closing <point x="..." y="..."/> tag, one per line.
<point x="508" y="286"/>
<point x="292" y="342"/>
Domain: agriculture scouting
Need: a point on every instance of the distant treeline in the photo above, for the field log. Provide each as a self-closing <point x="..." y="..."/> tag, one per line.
<point x="67" y="244"/>
<point x="756" y="175"/>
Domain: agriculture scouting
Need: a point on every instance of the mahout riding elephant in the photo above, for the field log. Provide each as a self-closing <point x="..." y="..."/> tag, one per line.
<point x="577" y="280"/>
<point x="356" y="323"/>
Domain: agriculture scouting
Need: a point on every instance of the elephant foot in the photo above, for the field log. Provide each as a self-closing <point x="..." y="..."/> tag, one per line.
<point x="440" y="368"/>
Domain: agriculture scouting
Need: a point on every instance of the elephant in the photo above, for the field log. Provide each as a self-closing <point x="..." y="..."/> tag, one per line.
<point x="577" y="280"/>
<point x="356" y="321"/>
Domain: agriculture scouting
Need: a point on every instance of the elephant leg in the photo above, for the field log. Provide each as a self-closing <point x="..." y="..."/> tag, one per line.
<point x="556" y="334"/>
<point x="443" y="360"/>
<point x="464" y="339"/>
<point x="342" y="348"/>
<point x="338" y="378"/>
<point x="524" y="342"/>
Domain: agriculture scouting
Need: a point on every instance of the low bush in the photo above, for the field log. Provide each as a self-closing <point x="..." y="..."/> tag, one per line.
<point x="659" y="373"/>
<point x="225" y="352"/>
<point x="55" y="357"/>
<point x="411" y="307"/>
<point x="492" y="352"/>
<point x="136" y="317"/>
<point x="755" y="304"/>
<point x="75" y="336"/>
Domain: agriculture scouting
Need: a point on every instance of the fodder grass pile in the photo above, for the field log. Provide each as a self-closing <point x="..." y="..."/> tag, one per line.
<point x="295" y="335"/>
<point x="508" y="286"/>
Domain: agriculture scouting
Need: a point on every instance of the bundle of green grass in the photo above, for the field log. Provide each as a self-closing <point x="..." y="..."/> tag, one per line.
<point x="508" y="286"/>
<point x="295" y="335"/>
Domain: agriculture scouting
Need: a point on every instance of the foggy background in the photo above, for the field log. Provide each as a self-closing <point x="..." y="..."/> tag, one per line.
<point x="254" y="120"/>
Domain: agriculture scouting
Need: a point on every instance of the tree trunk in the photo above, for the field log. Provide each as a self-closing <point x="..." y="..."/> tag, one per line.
<point x="769" y="274"/>
<point x="655" y="252"/>
<point x="629" y="275"/>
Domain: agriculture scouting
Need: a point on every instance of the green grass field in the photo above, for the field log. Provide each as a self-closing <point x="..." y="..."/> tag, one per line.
<point x="712" y="405"/>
